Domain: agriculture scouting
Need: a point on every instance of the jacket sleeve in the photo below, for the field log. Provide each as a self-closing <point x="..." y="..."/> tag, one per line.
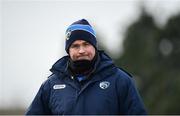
<point x="130" y="100"/>
<point x="39" y="106"/>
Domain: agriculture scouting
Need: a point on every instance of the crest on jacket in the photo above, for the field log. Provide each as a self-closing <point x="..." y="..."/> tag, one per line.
<point x="104" y="84"/>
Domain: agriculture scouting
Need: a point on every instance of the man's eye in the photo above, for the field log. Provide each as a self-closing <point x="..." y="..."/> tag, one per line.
<point x="74" y="46"/>
<point x="86" y="44"/>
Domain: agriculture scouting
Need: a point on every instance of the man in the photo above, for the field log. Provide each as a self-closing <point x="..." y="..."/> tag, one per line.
<point x="86" y="81"/>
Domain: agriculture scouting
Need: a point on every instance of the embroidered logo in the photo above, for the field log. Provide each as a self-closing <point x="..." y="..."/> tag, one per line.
<point x="60" y="86"/>
<point x="104" y="84"/>
<point x="68" y="34"/>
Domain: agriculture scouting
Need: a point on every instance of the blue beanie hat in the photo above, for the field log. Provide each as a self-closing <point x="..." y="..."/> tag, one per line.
<point x="80" y="30"/>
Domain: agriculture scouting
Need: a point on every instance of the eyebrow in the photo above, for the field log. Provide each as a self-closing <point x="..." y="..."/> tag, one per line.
<point x="82" y="43"/>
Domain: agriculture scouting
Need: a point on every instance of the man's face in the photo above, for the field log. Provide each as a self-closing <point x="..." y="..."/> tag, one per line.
<point x="81" y="50"/>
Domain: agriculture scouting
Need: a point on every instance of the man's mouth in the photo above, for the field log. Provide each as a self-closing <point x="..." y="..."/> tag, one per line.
<point x="83" y="58"/>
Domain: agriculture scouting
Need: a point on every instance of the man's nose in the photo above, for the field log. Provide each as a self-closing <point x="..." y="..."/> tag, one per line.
<point x="81" y="50"/>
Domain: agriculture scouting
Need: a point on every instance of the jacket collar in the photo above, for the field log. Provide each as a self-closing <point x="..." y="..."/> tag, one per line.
<point x="103" y="62"/>
<point x="61" y="65"/>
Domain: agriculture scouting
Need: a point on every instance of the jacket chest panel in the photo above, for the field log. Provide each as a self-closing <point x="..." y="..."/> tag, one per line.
<point x="95" y="98"/>
<point x="62" y="100"/>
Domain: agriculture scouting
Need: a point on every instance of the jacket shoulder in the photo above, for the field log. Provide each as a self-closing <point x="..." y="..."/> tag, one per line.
<point x="53" y="78"/>
<point x="124" y="72"/>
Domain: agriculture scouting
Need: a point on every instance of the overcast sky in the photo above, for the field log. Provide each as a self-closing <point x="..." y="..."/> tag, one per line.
<point x="32" y="36"/>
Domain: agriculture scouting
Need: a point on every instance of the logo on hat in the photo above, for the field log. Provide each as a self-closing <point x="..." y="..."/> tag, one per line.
<point x="68" y="34"/>
<point x="104" y="84"/>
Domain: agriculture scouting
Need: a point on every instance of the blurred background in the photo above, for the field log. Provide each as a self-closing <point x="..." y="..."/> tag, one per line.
<point x="142" y="37"/>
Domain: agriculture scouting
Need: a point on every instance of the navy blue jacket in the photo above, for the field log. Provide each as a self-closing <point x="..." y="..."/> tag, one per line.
<point x="109" y="91"/>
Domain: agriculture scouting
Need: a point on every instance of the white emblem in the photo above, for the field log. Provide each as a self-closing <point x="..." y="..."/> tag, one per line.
<point x="68" y="34"/>
<point x="104" y="84"/>
<point x="60" y="86"/>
